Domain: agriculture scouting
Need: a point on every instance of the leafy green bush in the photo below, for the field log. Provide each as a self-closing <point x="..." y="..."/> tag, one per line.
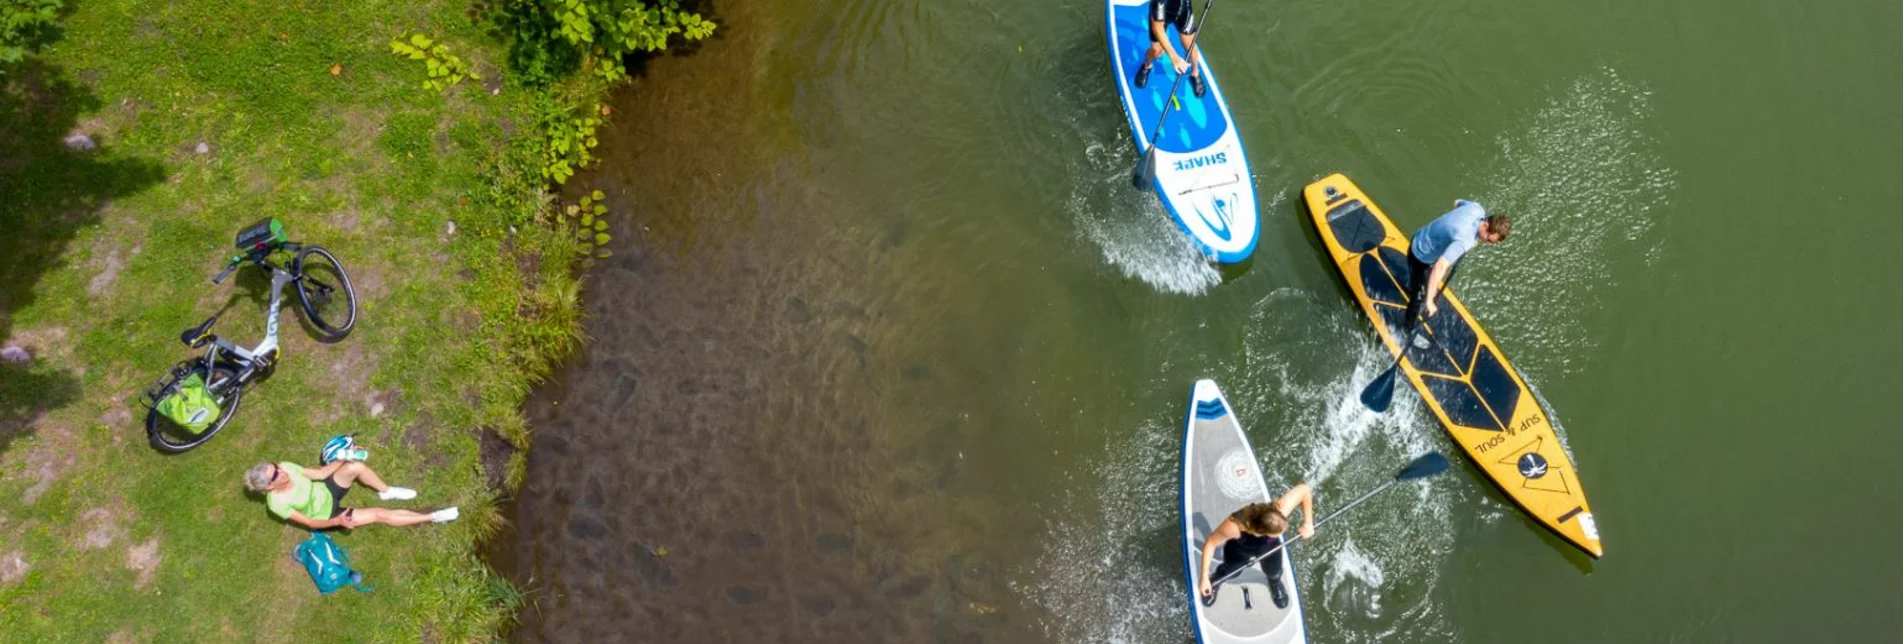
<point x="445" y="69"/>
<point x="591" y="226"/>
<point x="570" y="136"/>
<point x="23" y="25"/>
<point x="551" y="35"/>
<point x="537" y="53"/>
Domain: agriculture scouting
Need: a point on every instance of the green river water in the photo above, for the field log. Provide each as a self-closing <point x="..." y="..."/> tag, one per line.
<point x="890" y="351"/>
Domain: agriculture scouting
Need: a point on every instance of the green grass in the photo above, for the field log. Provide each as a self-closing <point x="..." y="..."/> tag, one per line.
<point x="106" y="255"/>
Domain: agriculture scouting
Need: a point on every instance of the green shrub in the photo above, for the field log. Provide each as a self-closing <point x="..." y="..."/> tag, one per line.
<point x="445" y="69"/>
<point x="537" y="53"/>
<point x="551" y="36"/>
<point x="24" y="24"/>
<point x="590" y="218"/>
<point x="570" y="136"/>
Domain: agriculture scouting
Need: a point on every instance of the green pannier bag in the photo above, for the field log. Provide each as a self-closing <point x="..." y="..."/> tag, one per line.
<point x="190" y="405"/>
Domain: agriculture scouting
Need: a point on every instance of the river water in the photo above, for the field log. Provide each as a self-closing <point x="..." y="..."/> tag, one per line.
<point x="890" y="351"/>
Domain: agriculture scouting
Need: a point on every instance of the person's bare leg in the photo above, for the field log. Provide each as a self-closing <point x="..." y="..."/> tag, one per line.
<point x="1195" y="55"/>
<point x="354" y="471"/>
<point x="386" y="516"/>
<point x="1156" y="51"/>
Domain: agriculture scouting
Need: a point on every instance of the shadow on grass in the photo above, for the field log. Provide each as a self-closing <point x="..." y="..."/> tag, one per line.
<point x="28" y="390"/>
<point x="48" y="192"/>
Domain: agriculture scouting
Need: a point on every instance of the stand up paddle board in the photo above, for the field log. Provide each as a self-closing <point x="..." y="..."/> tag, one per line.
<point x="1220" y="475"/>
<point x="1202" y="175"/>
<point x="1463" y="375"/>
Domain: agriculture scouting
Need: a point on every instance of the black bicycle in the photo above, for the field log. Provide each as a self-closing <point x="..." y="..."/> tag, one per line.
<point x="210" y="386"/>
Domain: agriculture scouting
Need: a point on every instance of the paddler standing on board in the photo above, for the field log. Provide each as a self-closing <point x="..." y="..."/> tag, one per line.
<point x="1437" y="248"/>
<point x="1180" y="13"/>
<point x="1252" y="532"/>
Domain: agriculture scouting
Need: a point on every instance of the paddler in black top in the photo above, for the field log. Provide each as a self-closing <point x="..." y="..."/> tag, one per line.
<point x="1179" y="13"/>
<point x="1249" y="533"/>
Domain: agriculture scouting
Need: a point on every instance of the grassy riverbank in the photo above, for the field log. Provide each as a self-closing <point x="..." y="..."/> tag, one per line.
<point x="208" y="116"/>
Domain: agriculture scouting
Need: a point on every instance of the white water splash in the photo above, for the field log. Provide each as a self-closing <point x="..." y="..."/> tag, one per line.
<point x="1097" y="578"/>
<point x="1325" y="435"/>
<point x="1133" y="231"/>
<point x="1353" y="582"/>
<point x="1584" y="185"/>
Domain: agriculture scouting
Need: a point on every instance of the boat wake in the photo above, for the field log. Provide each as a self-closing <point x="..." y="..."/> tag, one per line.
<point x="1585" y="186"/>
<point x="1111" y="569"/>
<point x="1131" y="229"/>
<point x="1370" y="575"/>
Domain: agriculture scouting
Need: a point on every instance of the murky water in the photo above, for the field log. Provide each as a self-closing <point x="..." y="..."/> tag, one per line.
<point x="890" y="351"/>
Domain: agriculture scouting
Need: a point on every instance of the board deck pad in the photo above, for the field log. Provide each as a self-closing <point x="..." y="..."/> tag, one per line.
<point x="1463" y="376"/>
<point x="1220" y="475"/>
<point x="1202" y="175"/>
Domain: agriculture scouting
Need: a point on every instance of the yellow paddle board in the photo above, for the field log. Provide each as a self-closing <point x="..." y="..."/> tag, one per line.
<point x="1464" y="377"/>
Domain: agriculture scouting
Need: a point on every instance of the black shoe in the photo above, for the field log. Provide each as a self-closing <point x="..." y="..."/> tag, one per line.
<point x="1210" y="599"/>
<point x="1143" y="76"/>
<point x="1276" y="591"/>
<point x="1196" y="83"/>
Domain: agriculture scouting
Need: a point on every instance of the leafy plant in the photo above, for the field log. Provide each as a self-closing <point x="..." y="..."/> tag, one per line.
<point x="570" y="137"/>
<point x="603" y="31"/>
<point x="591" y="226"/>
<point x="445" y="69"/>
<point x="23" y="26"/>
<point x="538" y="54"/>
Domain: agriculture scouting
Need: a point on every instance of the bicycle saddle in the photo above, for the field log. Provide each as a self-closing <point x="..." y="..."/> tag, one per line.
<point x="197" y="336"/>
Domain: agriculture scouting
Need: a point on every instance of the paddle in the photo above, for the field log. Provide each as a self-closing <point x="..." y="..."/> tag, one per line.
<point x="1380" y="392"/>
<point x="1145" y="173"/>
<point x="1424" y="466"/>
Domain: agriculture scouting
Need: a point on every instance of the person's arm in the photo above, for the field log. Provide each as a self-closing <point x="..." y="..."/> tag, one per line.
<point x="1304" y="496"/>
<point x="1434" y="280"/>
<point x="314" y="524"/>
<point x="1222" y="533"/>
<point x="321" y="473"/>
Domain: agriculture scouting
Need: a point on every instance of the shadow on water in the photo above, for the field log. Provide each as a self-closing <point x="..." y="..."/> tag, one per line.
<point x="48" y="192"/>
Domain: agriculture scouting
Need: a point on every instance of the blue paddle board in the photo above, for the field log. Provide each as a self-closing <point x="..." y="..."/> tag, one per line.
<point x="1202" y="175"/>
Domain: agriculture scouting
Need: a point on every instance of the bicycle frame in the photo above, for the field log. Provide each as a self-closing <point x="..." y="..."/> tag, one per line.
<point x="258" y="357"/>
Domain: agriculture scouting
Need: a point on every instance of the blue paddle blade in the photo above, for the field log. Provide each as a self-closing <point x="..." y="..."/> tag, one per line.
<point x="1380" y="394"/>
<point x="1428" y="464"/>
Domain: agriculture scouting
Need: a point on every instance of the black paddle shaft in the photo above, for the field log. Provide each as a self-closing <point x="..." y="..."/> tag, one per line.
<point x="1379" y="394"/>
<point x="1429" y="464"/>
<point x="1141" y="175"/>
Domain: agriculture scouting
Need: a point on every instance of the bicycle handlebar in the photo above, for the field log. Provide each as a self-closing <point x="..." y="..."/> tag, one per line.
<point x="228" y="269"/>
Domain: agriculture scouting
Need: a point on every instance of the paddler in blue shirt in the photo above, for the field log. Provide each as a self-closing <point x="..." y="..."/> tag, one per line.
<point x="1181" y="14"/>
<point x="1437" y="248"/>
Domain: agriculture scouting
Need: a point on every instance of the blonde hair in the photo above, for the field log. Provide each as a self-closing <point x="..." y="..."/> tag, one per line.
<point x="1260" y="518"/>
<point x="258" y="478"/>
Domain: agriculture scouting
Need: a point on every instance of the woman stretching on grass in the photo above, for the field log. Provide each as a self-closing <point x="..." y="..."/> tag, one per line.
<point x="313" y="496"/>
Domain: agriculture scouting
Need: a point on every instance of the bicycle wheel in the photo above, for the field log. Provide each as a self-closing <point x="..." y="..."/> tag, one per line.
<point x="169" y="437"/>
<point x="323" y="290"/>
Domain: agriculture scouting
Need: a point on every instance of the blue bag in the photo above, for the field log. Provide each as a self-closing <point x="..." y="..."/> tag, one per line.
<point x="328" y="564"/>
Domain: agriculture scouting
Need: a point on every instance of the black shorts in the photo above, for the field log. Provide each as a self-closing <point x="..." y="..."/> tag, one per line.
<point x="1177" y="12"/>
<point x="336" y="498"/>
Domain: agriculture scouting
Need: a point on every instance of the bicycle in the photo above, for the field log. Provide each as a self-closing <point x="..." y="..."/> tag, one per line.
<point x="225" y="369"/>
